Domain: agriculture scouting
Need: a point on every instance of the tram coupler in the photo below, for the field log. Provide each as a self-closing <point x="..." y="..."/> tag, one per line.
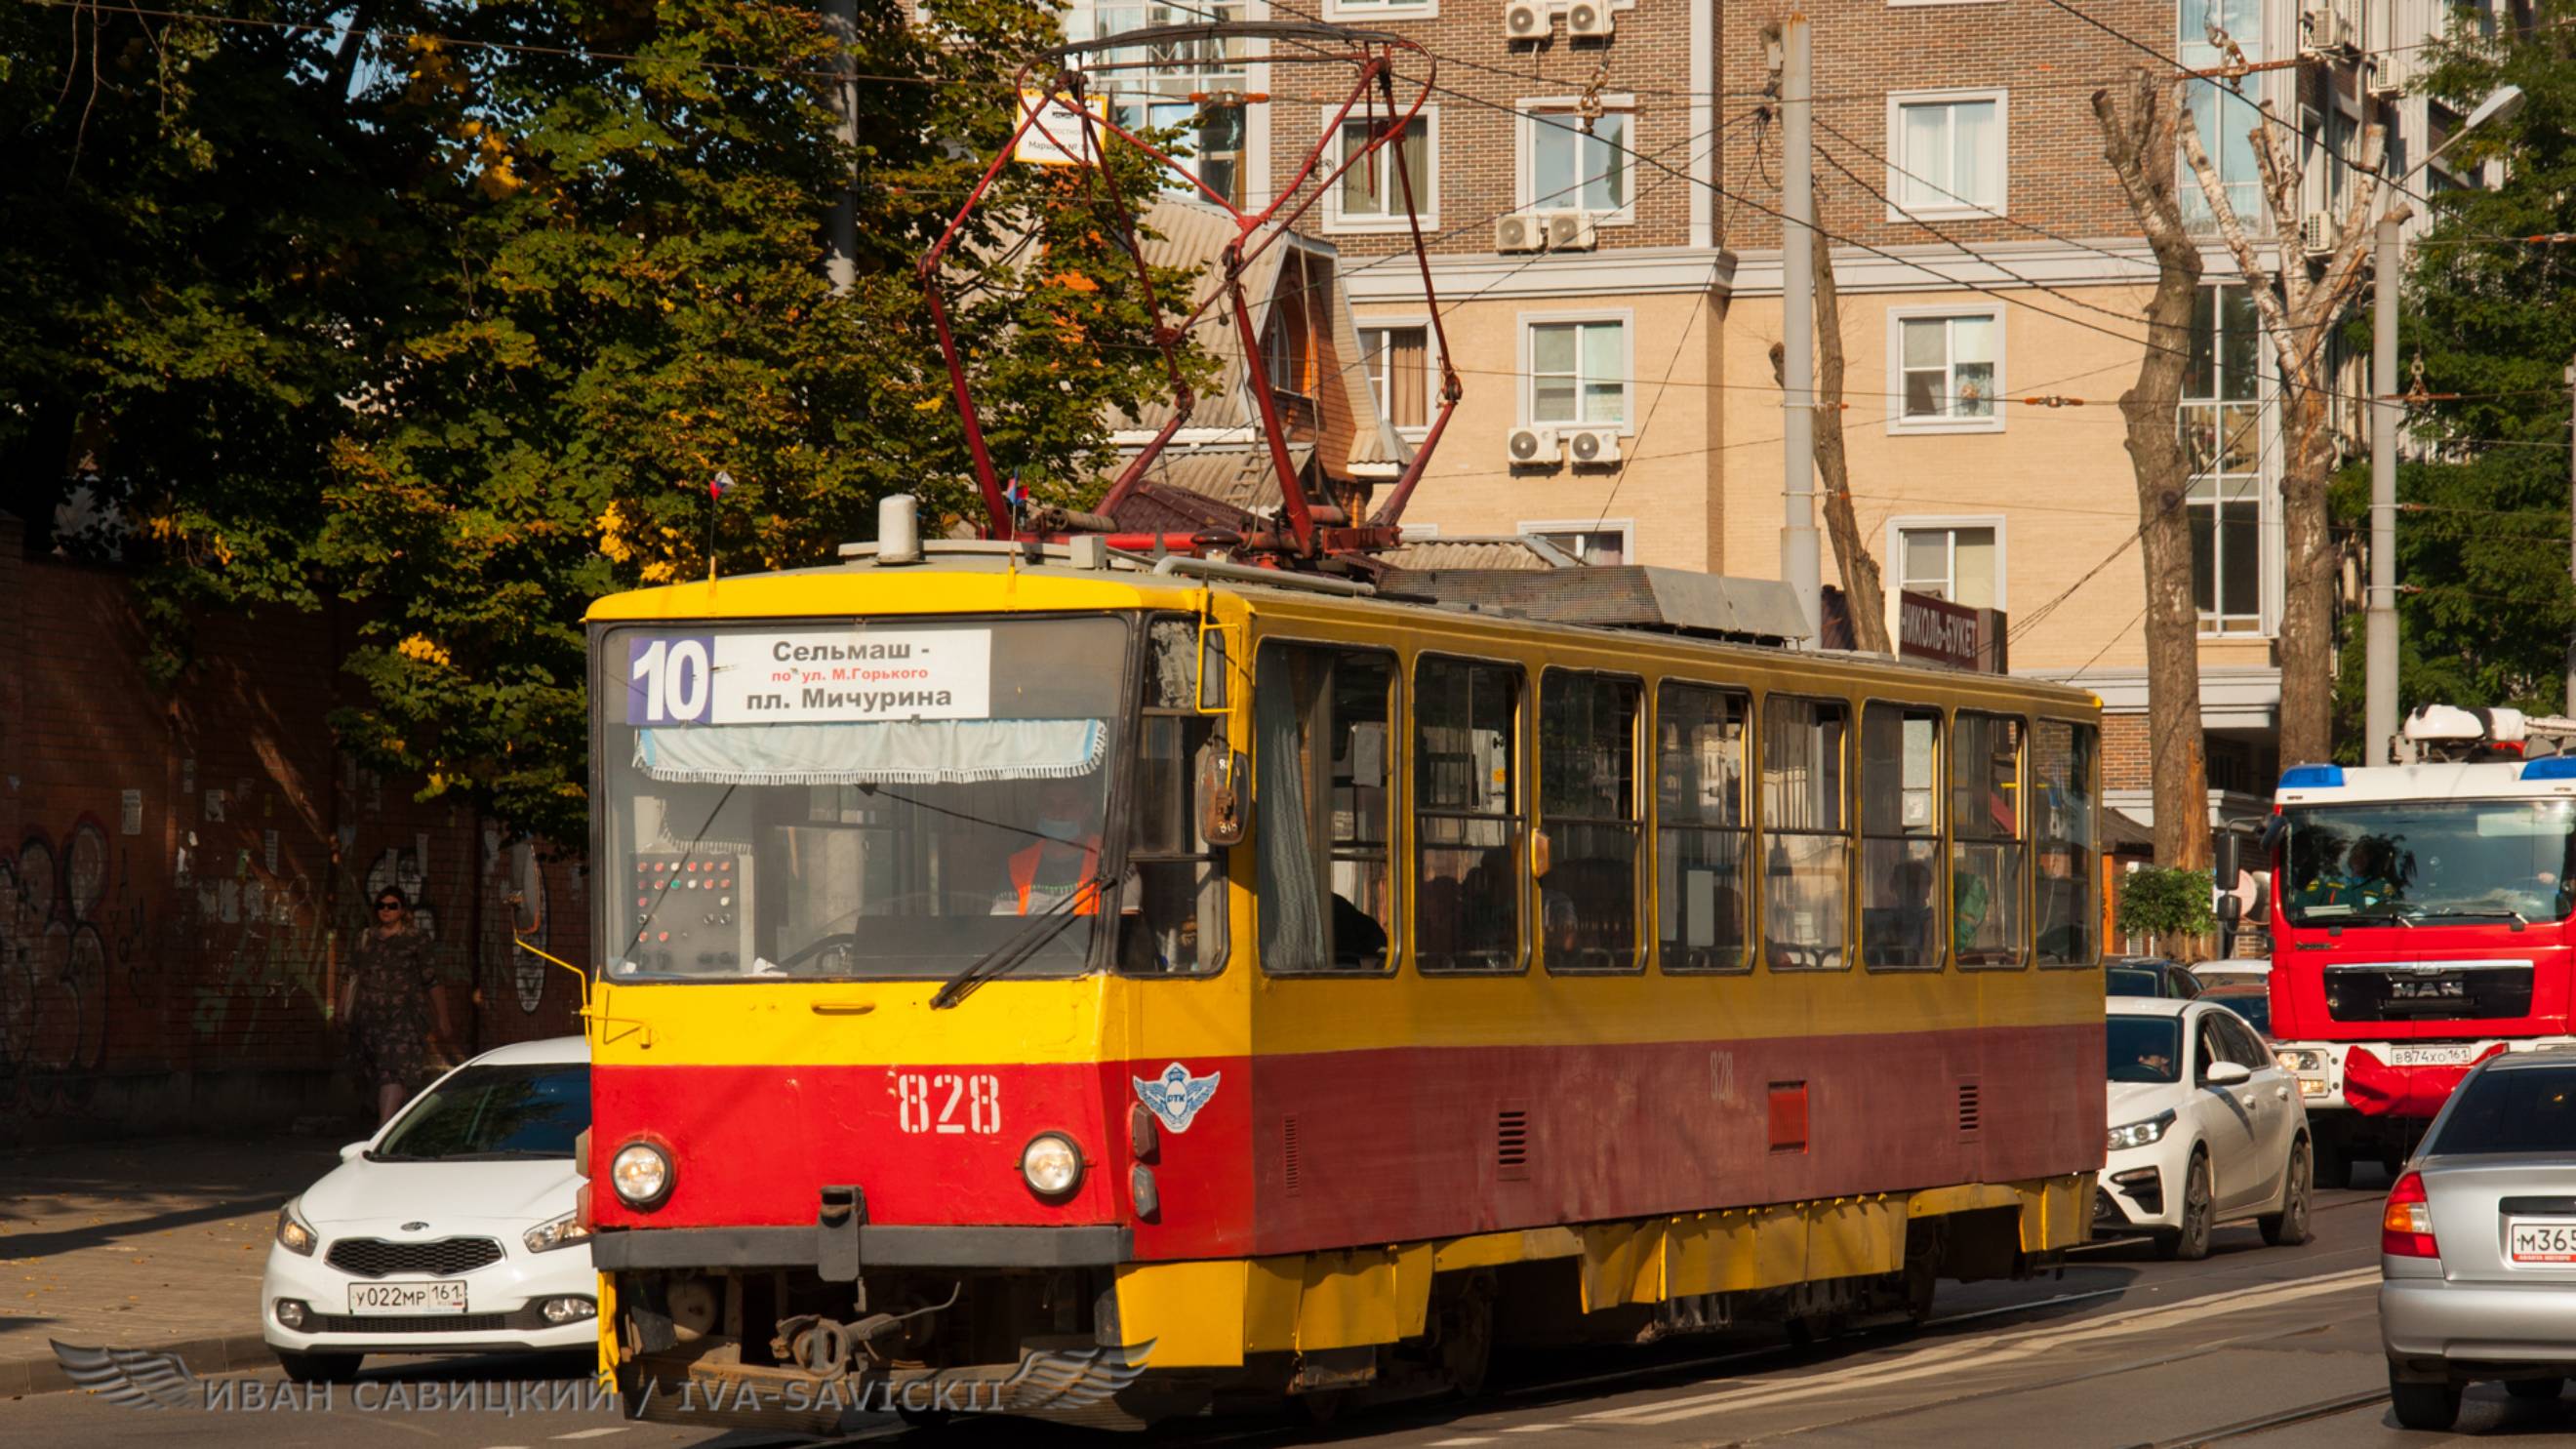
<point x="838" y="1222"/>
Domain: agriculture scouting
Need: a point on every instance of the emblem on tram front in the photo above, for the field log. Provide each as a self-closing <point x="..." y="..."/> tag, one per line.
<point x="1175" y="1097"/>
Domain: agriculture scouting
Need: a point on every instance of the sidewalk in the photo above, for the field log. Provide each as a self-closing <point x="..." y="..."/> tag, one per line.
<point x="142" y="1244"/>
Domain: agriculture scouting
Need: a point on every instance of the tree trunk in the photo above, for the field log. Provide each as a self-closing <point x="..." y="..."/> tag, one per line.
<point x="2308" y="582"/>
<point x="2140" y="150"/>
<point x="1864" y="596"/>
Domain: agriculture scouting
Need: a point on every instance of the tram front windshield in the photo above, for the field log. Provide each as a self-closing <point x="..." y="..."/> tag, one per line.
<point x="890" y="798"/>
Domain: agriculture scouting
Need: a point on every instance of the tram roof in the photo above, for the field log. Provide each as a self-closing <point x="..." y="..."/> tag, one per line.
<point x="1594" y="609"/>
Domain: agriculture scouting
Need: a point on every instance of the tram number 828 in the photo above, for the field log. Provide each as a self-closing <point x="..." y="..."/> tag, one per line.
<point x="948" y="1103"/>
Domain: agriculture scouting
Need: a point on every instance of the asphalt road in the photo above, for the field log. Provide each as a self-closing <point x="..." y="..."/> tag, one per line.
<point x="2255" y="1346"/>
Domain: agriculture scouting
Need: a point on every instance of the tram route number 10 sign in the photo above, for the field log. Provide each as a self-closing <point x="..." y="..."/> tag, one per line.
<point x="808" y="676"/>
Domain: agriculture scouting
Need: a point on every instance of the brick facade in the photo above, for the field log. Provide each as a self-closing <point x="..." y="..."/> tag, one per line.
<point x="182" y="872"/>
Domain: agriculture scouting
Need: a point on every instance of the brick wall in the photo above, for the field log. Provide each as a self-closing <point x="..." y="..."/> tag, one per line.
<point x="2124" y="752"/>
<point x="2047" y="61"/>
<point x="181" y="871"/>
<point x="1482" y="77"/>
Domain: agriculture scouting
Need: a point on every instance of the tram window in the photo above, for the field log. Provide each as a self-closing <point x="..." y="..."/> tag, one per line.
<point x="1987" y="852"/>
<point x="1172" y="920"/>
<point x="2062" y="816"/>
<point x="1806" y="833"/>
<point x="1587" y="787"/>
<point x="1700" y="856"/>
<point x="1323" y="808"/>
<point x="1466" y="802"/>
<point x="1900" y="838"/>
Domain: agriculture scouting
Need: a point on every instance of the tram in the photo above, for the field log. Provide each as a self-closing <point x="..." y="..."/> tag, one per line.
<point x="1044" y="978"/>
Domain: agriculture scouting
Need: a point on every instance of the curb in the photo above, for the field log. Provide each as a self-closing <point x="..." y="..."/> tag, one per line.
<point x="231" y="1353"/>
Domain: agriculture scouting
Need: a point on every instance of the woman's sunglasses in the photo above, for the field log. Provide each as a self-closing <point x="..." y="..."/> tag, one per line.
<point x="389" y="905"/>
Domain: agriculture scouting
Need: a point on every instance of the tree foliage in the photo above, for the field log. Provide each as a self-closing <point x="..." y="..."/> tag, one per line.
<point x="2486" y="608"/>
<point x="2167" y="903"/>
<point x="446" y="314"/>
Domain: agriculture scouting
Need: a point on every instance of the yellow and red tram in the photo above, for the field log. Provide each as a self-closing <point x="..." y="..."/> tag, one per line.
<point x="1227" y="984"/>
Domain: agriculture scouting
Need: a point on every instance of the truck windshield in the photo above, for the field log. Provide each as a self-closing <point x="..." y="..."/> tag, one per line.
<point x="2405" y="863"/>
<point x="884" y="798"/>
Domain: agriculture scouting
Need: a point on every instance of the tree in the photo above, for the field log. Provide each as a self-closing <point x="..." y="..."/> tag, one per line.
<point x="2485" y="607"/>
<point x="483" y="299"/>
<point x="2172" y="907"/>
<point x="2300" y="311"/>
<point x="2140" y="148"/>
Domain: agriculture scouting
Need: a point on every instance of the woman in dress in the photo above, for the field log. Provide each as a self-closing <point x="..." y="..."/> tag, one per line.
<point x="390" y="1003"/>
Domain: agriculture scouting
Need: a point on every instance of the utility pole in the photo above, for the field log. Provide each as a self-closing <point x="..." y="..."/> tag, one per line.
<point x="2379" y="674"/>
<point x="841" y="21"/>
<point x="1800" y="565"/>
<point x="2570" y="375"/>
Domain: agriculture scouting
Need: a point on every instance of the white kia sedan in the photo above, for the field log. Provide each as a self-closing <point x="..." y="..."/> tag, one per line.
<point x="452" y="1230"/>
<point x="2205" y="1128"/>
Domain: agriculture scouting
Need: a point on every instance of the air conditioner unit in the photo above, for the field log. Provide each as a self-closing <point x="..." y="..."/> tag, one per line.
<point x="1536" y="446"/>
<point x="2327" y="28"/>
<point x="1593" y="445"/>
<point x="1526" y="20"/>
<point x="1588" y="18"/>
<point x="2317" y="232"/>
<point x="1520" y="231"/>
<point x="1570" y="231"/>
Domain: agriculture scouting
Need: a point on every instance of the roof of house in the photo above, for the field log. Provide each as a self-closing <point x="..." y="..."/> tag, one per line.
<point x="1177" y="233"/>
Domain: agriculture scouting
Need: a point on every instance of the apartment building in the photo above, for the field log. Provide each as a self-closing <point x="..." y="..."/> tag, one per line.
<point x="1601" y="180"/>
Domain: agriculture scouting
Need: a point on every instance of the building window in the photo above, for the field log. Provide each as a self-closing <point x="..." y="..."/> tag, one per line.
<point x="1370" y="196"/>
<point x="1151" y="89"/>
<point x="1961" y="564"/>
<point x="1948" y="371"/>
<point x="1398" y="361"/>
<point x="1578" y="373"/>
<point x="1587" y="542"/>
<point x="2225" y="117"/>
<point x="1946" y="154"/>
<point x="1563" y="168"/>
<point x="2222" y="432"/>
<point x="1289" y="345"/>
<point x="1381" y="9"/>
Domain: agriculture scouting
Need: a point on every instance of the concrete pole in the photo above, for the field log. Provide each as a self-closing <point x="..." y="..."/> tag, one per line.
<point x="2379" y="702"/>
<point x="841" y="22"/>
<point x="1801" y="566"/>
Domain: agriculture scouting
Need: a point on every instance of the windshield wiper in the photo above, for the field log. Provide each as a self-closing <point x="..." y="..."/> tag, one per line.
<point x="1008" y="956"/>
<point x="2487" y="913"/>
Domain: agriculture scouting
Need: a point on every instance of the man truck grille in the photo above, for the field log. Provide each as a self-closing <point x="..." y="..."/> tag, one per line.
<point x="2468" y="992"/>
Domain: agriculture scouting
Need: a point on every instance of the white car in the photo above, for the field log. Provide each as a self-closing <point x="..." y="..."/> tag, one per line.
<point x="2205" y="1128"/>
<point x="452" y="1230"/>
<point x="2256" y="969"/>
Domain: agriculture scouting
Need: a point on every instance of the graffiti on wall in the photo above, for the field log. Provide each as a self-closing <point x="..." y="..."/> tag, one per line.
<point x="68" y="916"/>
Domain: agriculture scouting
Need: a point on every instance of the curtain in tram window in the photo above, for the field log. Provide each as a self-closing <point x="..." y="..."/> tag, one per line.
<point x="1291" y="915"/>
<point x="889" y="752"/>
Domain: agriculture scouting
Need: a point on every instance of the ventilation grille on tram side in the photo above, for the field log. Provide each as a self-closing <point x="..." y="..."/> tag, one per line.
<point x="1972" y="1111"/>
<point x="1288" y="1153"/>
<point x="1511" y="1143"/>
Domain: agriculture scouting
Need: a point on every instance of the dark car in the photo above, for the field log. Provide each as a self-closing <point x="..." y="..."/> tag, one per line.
<point x="2150" y="976"/>
<point x="2250" y="1000"/>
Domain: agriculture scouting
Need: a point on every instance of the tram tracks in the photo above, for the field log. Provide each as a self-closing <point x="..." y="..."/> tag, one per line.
<point x="2266" y="1423"/>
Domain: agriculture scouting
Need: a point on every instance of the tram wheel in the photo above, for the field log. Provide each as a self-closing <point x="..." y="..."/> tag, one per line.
<point x="1467" y="1334"/>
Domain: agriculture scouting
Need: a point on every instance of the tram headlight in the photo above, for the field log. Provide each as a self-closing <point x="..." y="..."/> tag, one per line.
<point x="641" y="1173"/>
<point x="1052" y="1164"/>
<point x="2142" y="1134"/>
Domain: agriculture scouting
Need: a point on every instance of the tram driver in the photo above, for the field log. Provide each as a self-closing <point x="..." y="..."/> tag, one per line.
<point x="1061" y="859"/>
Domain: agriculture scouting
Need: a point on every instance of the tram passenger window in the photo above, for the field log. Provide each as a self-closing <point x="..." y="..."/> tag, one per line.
<point x="1466" y="803"/>
<point x="1172" y="920"/>
<point x="1323" y="808"/>
<point x="1987" y="851"/>
<point x="1700" y="856"/>
<point x="2062" y="816"/>
<point x="1900" y="845"/>
<point x="1806" y="833"/>
<point x="1587" y="786"/>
